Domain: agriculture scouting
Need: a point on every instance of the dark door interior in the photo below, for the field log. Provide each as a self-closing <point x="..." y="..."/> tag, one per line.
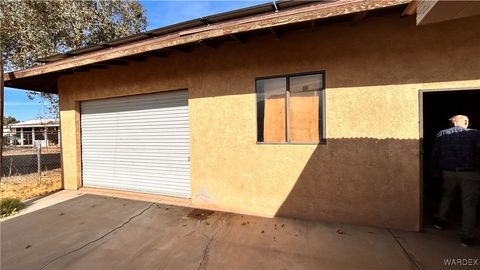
<point x="438" y="107"/>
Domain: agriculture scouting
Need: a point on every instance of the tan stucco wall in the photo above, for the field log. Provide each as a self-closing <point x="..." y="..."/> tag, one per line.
<point x="368" y="172"/>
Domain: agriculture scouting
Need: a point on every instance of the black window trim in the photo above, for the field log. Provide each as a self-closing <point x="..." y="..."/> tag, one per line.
<point x="321" y="112"/>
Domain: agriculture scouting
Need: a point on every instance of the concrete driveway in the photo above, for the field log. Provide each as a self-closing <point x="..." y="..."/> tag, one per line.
<point x="86" y="231"/>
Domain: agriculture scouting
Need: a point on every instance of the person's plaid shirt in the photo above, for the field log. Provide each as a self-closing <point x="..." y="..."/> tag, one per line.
<point x="457" y="148"/>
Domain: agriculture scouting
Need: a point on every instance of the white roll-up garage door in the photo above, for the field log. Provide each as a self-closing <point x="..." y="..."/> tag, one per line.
<point x="137" y="143"/>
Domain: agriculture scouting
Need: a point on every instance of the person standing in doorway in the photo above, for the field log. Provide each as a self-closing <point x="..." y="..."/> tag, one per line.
<point x="457" y="153"/>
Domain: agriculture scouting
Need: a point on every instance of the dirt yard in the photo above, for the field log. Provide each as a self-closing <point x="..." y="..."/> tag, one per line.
<point x="19" y="172"/>
<point x="15" y="151"/>
<point x="31" y="185"/>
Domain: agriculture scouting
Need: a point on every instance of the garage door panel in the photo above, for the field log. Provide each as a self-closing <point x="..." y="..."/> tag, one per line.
<point x="176" y="166"/>
<point x="161" y="131"/>
<point x="147" y="116"/>
<point x="133" y="122"/>
<point x="137" y="156"/>
<point x="120" y="142"/>
<point x="152" y="152"/>
<point x="150" y="106"/>
<point x="171" y="185"/>
<point x="168" y="98"/>
<point x="133" y="179"/>
<point x="137" y="143"/>
<point x="158" y="137"/>
<point x="153" y="105"/>
<point x="145" y="170"/>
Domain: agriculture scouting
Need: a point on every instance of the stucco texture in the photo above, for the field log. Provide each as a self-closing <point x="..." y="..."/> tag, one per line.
<point x="367" y="172"/>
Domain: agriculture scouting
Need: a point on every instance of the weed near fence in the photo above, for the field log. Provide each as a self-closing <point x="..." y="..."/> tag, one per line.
<point x="9" y="206"/>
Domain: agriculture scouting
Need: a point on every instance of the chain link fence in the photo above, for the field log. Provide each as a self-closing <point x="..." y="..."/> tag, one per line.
<point x="31" y="162"/>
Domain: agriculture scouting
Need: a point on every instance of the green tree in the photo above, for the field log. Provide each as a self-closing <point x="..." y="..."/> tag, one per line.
<point x="31" y="30"/>
<point x="9" y="120"/>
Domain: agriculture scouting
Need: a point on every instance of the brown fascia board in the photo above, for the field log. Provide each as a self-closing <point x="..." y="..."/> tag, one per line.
<point x="315" y="11"/>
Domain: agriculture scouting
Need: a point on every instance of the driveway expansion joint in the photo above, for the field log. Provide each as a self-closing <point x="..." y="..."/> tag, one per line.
<point x="101" y="237"/>
<point x="410" y="256"/>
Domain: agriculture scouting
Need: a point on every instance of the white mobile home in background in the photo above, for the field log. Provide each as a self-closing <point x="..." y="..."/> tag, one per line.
<point x="44" y="132"/>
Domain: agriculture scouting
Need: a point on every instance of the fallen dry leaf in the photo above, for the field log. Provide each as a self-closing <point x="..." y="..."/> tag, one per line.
<point x="200" y="214"/>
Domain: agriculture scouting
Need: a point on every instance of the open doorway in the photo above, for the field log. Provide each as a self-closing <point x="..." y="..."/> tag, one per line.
<point x="437" y="108"/>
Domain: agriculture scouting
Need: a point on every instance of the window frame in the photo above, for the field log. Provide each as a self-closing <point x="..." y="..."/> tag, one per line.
<point x="321" y="109"/>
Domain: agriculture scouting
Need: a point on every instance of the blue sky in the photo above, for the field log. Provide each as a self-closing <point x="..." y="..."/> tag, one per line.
<point x="19" y="106"/>
<point x="159" y="13"/>
<point x="162" y="13"/>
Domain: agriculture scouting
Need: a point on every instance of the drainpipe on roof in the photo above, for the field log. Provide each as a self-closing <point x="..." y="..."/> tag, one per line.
<point x="275" y="6"/>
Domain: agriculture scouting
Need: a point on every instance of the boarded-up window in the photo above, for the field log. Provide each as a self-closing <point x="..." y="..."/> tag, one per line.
<point x="304" y="107"/>
<point x="289" y="109"/>
<point x="271" y="104"/>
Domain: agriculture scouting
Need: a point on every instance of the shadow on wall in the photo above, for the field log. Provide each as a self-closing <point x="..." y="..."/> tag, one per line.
<point x="359" y="181"/>
<point x="403" y="55"/>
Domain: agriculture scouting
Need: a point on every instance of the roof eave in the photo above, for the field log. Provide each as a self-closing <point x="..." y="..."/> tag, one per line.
<point x="315" y="11"/>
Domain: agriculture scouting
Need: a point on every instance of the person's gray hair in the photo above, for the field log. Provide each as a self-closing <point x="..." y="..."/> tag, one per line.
<point x="457" y="117"/>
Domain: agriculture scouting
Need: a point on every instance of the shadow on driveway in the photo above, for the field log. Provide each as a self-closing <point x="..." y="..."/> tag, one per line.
<point x="91" y="231"/>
